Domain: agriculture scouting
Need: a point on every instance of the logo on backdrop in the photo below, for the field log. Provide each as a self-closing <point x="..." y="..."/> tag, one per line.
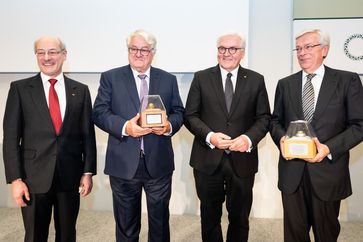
<point x="348" y="51"/>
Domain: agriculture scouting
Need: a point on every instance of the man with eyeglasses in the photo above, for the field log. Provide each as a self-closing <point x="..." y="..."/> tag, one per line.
<point x="138" y="158"/>
<point x="228" y="112"/>
<point x="312" y="189"/>
<point x="49" y="145"/>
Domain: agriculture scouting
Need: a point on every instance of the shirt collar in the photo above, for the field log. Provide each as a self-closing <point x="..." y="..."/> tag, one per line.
<point x="45" y="78"/>
<point x="136" y="73"/>
<point x="225" y="72"/>
<point x="319" y="72"/>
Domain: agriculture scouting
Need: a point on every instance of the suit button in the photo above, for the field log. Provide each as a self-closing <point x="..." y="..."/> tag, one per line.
<point x="228" y="123"/>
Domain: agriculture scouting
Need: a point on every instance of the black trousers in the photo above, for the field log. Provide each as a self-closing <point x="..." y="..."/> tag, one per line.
<point x="37" y="215"/>
<point x="303" y="210"/>
<point x="213" y="190"/>
<point x="127" y="205"/>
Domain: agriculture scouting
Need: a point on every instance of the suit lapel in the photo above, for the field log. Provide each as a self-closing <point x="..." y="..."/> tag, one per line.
<point x="216" y="83"/>
<point x="328" y="86"/>
<point x="129" y="83"/>
<point x="40" y="102"/>
<point x="72" y="94"/>
<point x="241" y="82"/>
<point x="295" y="90"/>
<point x="154" y="83"/>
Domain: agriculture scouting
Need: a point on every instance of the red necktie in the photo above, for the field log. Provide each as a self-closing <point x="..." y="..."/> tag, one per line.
<point x="54" y="108"/>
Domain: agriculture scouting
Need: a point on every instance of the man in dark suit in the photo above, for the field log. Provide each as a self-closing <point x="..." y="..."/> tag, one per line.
<point x="312" y="189"/>
<point x="138" y="158"/>
<point x="49" y="154"/>
<point x="228" y="119"/>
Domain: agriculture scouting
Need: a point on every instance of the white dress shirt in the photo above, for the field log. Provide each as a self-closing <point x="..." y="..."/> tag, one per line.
<point x="316" y="81"/>
<point x="59" y="88"/>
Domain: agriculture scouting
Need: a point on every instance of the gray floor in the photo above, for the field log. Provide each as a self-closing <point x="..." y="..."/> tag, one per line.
<point x="99" y="227"/>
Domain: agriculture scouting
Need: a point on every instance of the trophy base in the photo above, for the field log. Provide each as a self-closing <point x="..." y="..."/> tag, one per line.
<point x="153" y="118"/>
<point x="302" y="149"/>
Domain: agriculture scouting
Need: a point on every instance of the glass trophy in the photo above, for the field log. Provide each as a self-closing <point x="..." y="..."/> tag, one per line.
<point x="299" y="141"/>
<point x="152" y="112"/>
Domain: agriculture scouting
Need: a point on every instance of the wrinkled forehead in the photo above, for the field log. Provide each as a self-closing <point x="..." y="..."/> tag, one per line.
<point x="307" y="38"/>
<point x="229" y="41"/>
<point x="47" y="43"/>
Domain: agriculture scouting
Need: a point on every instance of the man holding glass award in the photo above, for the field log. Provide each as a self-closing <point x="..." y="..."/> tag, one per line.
<point x="141" y="109"/>
<point x="329" y="103"/>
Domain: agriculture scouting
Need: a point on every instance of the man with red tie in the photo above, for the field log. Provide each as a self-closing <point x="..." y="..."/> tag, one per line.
<point x="49" y="145"/>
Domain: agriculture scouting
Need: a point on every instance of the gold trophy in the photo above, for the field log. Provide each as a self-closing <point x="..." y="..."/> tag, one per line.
<point x="152" y="112"/>
<point x="299" y="142"/>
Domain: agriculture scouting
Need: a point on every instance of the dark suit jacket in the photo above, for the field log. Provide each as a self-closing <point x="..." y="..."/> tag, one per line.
<point x="206" y="111"/>
<point x="33" y="151"/>
<point x="118" y="101"/>
<point x="337" y="122"/>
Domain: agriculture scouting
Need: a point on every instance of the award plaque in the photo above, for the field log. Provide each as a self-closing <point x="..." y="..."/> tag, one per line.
<point x="152" y="112"/>
<point x="299" y="142"/>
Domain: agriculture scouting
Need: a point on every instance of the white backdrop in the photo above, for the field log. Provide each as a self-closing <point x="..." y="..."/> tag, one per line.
<point x="95" y="31"/>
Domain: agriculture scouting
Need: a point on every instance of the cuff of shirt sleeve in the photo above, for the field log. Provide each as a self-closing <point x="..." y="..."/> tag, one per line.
<point x="123" y="132"/>
<point x="171" y="130"/>
<point x="207" y="140"/>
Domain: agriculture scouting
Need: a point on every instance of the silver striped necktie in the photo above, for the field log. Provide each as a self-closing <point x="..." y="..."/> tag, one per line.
<point x="308" y="98"/>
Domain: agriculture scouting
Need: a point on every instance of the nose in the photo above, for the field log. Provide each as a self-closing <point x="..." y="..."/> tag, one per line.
<point x="46" y="56"/>
<point x="138" y="53"/>
<point x="227" y="53"/>
<point x="302" y="51"/>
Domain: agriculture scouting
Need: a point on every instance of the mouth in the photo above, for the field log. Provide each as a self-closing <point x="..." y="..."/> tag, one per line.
<point x="303" y="59"/>
<point x="227" y="59"/>
<point x="48" y="64"/>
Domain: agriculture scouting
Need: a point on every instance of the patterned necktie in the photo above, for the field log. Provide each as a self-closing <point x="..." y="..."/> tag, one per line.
<point x="54" y="108"/>
<point x="308" y="98"/>
<point x="228" y="91"/>
<point x="144" y="90"/>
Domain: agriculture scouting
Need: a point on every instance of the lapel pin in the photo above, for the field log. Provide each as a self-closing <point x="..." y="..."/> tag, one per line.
<point x="245" y="76"/>
<point x="73" y="94"/>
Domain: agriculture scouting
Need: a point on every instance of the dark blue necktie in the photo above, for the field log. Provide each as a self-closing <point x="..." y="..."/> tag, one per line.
<point x="228" y="91"/>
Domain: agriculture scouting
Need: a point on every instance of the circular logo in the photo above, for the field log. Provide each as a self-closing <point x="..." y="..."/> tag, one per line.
<point x="346" y="47"/>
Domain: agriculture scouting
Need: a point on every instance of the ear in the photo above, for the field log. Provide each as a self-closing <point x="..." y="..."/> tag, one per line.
<point x="325" y="51"/>
<point x="65" y="54"/>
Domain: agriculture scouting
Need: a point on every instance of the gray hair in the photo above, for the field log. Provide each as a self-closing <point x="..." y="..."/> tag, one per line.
<point x="61" y="44"/>
<point x="238" y="35"/>
<point x="324" y="38"/>
<point x="149" y="38"/>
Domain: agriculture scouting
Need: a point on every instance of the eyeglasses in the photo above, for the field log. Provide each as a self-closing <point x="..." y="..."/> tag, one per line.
<point x="51" y="52"/>
<point x="307" y="48"/>
<point x="231" y="50"/>
<point x="144" y="52"/>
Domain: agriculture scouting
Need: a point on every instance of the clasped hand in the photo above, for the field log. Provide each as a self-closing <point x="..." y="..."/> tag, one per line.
<point x="225" y="142"/>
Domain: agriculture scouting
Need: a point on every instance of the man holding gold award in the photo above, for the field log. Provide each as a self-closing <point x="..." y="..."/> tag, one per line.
<point x="139" y="106"/>
<point x="317" y="119"/>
